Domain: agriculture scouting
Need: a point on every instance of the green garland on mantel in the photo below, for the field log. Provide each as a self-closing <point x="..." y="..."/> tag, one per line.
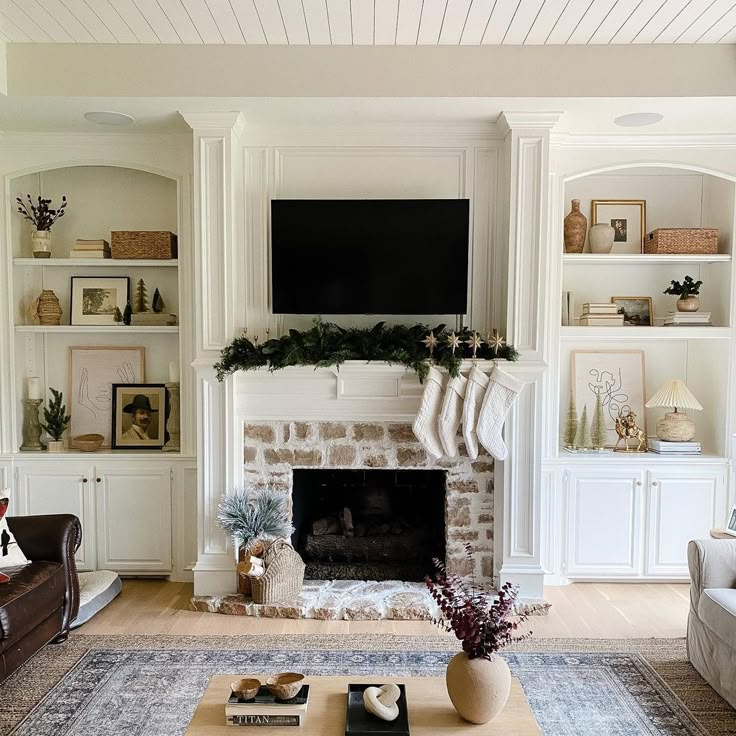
<point x="326" y="344"/>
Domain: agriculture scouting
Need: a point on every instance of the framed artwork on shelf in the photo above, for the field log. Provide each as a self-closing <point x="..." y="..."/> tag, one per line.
<point x="618" y="377"/>
<point x="94" y="300"/>
<point x="637" y="310"/>
<point x="731" y="523"/>
<point x="93" y="370"/>
<point x="139" y="416"/>
<point x="628" y="217"/>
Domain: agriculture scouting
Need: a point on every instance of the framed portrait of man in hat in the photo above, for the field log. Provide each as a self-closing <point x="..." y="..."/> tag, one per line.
<point x="138" y="416"/>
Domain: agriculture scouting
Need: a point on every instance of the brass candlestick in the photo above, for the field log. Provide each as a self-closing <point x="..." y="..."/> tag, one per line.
<point x="32" y="427"/>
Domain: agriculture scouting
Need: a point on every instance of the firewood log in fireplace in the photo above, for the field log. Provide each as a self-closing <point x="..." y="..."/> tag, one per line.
<point x="346" y="522"/>
<point x="326" y="525"/>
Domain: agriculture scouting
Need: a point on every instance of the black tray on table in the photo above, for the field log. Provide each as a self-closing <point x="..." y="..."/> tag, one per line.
<point x="360" y="722"/>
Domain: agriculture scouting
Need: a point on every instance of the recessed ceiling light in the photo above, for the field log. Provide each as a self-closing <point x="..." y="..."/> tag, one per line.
<point x="638" y="119"/>
<point x="109" y="118"/>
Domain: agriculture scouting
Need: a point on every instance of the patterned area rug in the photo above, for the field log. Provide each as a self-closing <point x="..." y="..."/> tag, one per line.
<point x="151" y="685"/>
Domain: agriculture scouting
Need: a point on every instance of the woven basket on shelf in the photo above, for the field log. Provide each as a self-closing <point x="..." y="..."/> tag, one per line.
<point x="682" y="240"/>
<point x="284" y="574"/>
<point x="153" y="244"/>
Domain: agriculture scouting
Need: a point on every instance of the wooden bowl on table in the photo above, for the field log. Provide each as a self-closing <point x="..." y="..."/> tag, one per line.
<point x="246" y="688"/>
<point x="285" y="685"/>
<point x="87" y="442"/>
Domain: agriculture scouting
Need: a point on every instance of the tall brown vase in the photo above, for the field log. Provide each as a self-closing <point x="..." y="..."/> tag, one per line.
<point x="576" y="225"/>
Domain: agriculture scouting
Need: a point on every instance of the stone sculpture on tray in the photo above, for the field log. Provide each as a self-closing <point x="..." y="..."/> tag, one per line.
<point x="381" y="701"/>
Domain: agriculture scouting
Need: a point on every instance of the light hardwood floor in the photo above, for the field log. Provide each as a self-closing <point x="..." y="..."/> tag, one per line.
<point x="581" y="610"/>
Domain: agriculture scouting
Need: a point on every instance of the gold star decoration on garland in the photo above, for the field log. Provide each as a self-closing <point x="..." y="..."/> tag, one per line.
<point x="474" y="343"/>
<point x="453" y="342"/>
<point x="430" y="342"/>
<point x="495" y="341"/>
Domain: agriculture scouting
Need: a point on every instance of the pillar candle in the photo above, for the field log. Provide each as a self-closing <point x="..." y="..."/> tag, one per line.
<point x="173" y="372"/>
<point x="34" y="388"/>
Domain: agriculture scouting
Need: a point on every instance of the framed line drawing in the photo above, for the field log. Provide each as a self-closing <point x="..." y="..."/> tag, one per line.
<point x="618" y="376"/>
<point x="93" y="370"/>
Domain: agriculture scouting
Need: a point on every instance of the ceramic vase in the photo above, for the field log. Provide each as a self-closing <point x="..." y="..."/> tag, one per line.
<point x="688" y="304"/>
<point x="41" y="240"/>
<point x="601" y="238"/>
<point x="55" y="446"/>
<point x="478" y="688"/>
<point x="575" y="228"/>
<point x="48" y="308"/>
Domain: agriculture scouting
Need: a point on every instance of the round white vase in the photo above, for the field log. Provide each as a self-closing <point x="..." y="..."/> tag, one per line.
<point x="41" y="240"/>
<point x="600" y="238"/>
<point x="478" y="688"/>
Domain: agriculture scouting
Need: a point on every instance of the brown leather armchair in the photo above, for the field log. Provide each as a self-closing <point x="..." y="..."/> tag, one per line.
<point x="41" y="600"/>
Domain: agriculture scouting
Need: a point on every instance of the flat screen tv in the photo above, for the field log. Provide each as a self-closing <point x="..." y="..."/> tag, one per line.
<point x="369" y="256"/>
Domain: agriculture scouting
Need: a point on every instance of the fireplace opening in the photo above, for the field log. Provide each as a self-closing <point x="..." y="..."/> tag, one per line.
<point x="369" y="524"/>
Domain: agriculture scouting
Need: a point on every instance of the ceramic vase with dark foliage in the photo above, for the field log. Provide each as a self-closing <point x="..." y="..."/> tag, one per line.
<point x="688" y="303"/>
<point x="478" y="688"/>
<point x="41" y="240"/>
<point x="576" y="225"/>
<point x="601" y="238"/>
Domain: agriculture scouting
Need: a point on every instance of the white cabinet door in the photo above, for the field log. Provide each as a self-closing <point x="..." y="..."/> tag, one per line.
<point x="61" y="488"/>
<point x="134" y="512"/>
<point x="683" y="504"/>
<point x="604" y="523"/>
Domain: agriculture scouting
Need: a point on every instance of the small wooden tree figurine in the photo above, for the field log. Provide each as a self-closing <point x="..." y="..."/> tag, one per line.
<point x="140" y="301"/>
<point x="157" y="303"/>
<point x="582" y="437"/>
<point x="571" y="423"/>
<point x="57" y="420"/>
<point x="598" y="431"/>
<point x="117" y="316"/>
<point x="127" y="313"/>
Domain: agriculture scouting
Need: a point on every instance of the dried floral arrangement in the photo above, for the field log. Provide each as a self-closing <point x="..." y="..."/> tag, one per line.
<point x="327" y="344"/>
<point x="482" y="620"/>
<point x="41" y="215"/>
<point x="255" y="514"/>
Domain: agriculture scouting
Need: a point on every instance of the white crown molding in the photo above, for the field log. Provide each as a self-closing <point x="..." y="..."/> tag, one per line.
<point x="57" y="138"/>
<point x="508" y="121"/>
<point x="665" y="140"/>
<point x="208" y="121"/>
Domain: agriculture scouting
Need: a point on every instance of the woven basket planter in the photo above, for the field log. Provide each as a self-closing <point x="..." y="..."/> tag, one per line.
<point x="157" y="245"/>
<point x="682" y="240"/>
<point x="284" y="576"/>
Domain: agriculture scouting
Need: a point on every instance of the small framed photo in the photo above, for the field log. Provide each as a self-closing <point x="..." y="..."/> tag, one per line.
<point x="628" y="217"/>
<point x="139" y="416"/>
<point x="731" y="523"/>
<point x="95" y="299"/>
<point x="637" y="310"/>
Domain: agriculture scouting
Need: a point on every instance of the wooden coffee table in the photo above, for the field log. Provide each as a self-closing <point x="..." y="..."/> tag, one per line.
<point x="430" y="710"/>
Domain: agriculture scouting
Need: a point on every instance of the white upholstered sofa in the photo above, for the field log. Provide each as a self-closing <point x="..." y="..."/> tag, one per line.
<point x="711" y="626"/>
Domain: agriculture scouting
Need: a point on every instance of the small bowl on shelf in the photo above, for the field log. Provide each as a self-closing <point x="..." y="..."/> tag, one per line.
<point x="246" y="688"/>
<point x="87" y="442"/>
<point x="285" y="685"/>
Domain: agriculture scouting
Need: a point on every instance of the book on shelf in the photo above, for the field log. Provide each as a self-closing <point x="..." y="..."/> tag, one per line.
<point x="90" y="254"/>
<point x="602" y="320"/>
<point x="152" y="318"/>
<point x="599" y="308"/>
<point x="568" y="308"/>
<point x="688" y="318"/>
<point x="662" y="447"/>
<point x="99" y="244"/>
<point x="248" y="719"/>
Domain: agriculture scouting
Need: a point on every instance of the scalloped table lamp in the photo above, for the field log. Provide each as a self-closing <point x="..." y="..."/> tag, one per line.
<point x="675" y="426"/>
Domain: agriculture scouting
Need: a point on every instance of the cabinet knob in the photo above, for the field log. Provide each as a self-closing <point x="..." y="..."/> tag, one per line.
<point x="638" y="482"/>
<point x="98" y="479"/>
<point x="654" y="483"/>
<point x="84" y="480"/>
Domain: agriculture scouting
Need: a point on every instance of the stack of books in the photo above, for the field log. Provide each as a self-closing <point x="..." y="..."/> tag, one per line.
<point x="266" y="710"/>
<point x="602" y="314"/>
<point x="151" y="319"/>
<point x="91" y="249"/>
<point x="691" y="319"/>
<point x="674" y="448"/>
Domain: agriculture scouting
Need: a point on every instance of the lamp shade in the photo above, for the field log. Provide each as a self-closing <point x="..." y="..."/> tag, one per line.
<point x="675" y="394"/>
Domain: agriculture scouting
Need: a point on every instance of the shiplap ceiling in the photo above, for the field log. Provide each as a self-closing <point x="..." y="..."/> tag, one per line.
<point x="368" y="22"/>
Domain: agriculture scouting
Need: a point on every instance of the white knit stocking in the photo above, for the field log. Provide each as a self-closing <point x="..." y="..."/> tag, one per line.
<point x="474" y="392"/>
<point x="426" y="423"/>
<point x="451" y="414"/>
<point x="502" y="390"/>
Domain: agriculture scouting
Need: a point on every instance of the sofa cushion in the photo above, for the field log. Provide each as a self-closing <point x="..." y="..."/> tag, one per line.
<point x="33" y="593"/>
<point x="717" y="610"/>
<point x="10" y="552"/>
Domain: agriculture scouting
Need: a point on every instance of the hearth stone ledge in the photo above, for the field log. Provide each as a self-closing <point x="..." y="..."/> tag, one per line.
<point x="273" y="448"/>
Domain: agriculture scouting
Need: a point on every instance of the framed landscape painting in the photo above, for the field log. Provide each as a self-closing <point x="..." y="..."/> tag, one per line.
<point x="618" y="377"/>
<point x="92" y="372"/>
<point x="94" y="300"/>
<point x="637" y="310"/>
